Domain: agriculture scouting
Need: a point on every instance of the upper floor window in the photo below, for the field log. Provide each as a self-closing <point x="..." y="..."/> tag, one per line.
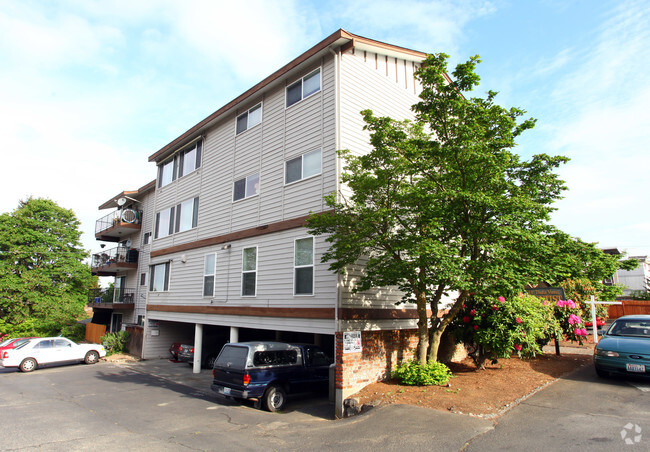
<point x="249" y="272"/>
<point x="303" y="88"/>
<point x="159" y="277"/>
<point x="246" y="187"/>
<point x="180" y="218"/>
<point x="187" y="215"/>
<point x="147" y="238"/>
<point x="303" y="262"/>
<point x="164" y="225"/>
<point x="249" y="119"/>
<point x="302" y="167"/>
<point x="186" y="161"/>
<point x="166" y="173"/>
<point x="209" y="267"/>
<point x="189" y="159"/>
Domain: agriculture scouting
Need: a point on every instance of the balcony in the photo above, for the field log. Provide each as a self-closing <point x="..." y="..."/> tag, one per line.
<point x="117" y="225"/>
<point x="109" y="262"/>
<point x="112" y="298"/>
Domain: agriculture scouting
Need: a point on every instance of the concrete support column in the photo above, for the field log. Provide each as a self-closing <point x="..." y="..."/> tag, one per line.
<point x="198" y="348"/>
<point x="234" y="334"/>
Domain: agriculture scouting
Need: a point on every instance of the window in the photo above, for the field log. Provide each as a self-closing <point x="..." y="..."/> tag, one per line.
<point x="208" y="275"/>
<point x="187" y="215"/>
<point x="159" y="281"/>
<point x="302" y="167"/>
<point x="304" y="266"/>
<point x="178" y="166"/>
<point x="303" y="88"/>
<point x="246" y="187"/>
<point x="249" y="119"/>
<point x="164" y="225"/>
<point x="249" y="272"/>
<point x="181" y="218"/>
<point x="147" y="238"/>
<point x="189" y="159"/>
<point x="167" y="173"/>
<point x="143" y="279"/>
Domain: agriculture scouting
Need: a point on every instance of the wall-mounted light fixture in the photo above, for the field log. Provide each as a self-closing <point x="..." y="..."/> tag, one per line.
<point x="226" y="247"/>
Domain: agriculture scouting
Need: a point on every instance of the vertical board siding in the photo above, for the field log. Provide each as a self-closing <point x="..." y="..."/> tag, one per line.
<point x="384" y="86"/>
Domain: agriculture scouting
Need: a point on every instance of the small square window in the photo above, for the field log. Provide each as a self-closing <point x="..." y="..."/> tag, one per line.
<point x="303" y="88"/>
<point x="302" y="167"/>
<point x="249" y="119"/>
<point x="246" y="187"/>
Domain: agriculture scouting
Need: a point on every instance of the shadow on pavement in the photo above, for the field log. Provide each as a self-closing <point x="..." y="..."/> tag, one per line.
<point x="179" y="377"/>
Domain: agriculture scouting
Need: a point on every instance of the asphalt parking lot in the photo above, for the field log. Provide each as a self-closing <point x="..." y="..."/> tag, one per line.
<point x="158" y="404"/>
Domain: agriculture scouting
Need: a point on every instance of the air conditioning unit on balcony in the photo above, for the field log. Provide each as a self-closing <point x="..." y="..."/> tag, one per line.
<point x="129" y="216"/>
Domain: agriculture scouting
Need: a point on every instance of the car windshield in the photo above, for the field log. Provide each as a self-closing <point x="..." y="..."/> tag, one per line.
<point x="3" y="343"/>
<point x="633" y="328"/>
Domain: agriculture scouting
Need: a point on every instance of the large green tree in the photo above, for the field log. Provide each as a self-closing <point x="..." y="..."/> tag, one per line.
<point x="43" y="280"/>
<point x="443" y="204"/>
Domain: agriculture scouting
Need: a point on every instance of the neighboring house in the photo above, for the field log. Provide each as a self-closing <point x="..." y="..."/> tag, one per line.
<point x="635" y="280"/>
<point x="219" y="239"/>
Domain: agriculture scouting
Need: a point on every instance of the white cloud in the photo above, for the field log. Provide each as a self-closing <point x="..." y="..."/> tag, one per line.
<point x="88" y="90"/>
<point x="602" y="123"/>
<point x="427" y="26"/>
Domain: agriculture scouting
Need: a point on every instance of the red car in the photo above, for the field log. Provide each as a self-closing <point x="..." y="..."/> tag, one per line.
<point x="13" y="343"/>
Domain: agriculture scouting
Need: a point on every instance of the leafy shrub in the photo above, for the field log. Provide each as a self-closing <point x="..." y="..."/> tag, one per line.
<point x="115" y="342"/>
<point x="567" y="313"/>
<point x="494" y="329"/>
<point x="413" y="373"/>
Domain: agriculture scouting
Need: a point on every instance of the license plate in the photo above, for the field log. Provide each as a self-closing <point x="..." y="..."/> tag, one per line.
<point x="226" y="391"/>
<point x="635" y="367"/>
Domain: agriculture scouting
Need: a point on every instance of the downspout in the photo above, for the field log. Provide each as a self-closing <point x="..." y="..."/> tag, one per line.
<point x="337" y="140"/>
<point x="337" y="395"/>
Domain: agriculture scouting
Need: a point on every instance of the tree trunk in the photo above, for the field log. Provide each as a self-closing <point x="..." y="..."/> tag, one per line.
<point x="440" y="327"/>
<point x="423" y="327"/>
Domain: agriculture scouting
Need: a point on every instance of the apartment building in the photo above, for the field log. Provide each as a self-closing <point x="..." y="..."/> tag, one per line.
<point x="217" y="245"/>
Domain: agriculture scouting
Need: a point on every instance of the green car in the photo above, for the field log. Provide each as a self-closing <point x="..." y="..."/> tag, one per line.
<point x="625" y="348"/>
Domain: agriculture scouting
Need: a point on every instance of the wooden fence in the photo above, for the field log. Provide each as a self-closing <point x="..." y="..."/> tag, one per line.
<point x="136" y="334"/>
<point x="94" y="332"/>
<point x="629" y="307"/>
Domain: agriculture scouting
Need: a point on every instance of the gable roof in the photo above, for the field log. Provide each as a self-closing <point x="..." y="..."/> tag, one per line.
<point x="337" y="39"/>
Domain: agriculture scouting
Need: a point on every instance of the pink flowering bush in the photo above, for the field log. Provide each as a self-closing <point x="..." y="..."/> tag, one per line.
<point x="493" y="329"/>
<point x="567" y="314"/>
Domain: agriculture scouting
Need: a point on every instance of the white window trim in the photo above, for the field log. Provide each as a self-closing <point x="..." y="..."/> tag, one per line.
<point x="200" y="158"/>
<point x="257" y="258"/>
<point x="313" y="266"/>
<point x="169" y="280"/>
<point x="214" y="276"/>
<point x="172" y="218"/>
<point x="246" y="186"/>
<point x="175" y="161"/>
<point x="302" y="86"/>
<point x="247" y="113"/>
<point x="302" y="167"/>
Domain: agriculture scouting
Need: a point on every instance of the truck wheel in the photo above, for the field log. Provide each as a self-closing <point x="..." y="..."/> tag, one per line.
<point x="275" y="398"/>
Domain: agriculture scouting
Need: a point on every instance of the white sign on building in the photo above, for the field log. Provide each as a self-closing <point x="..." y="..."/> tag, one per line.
<point x="352" y="342"/>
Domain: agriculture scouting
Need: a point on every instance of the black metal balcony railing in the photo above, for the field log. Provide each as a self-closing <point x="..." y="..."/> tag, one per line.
<point x="113" y="219"/>
<point x="116" y="295"/>
<point x="118" y="255"/>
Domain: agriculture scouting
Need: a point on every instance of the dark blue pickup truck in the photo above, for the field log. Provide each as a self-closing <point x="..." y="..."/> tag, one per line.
<point x="268" y="371"/>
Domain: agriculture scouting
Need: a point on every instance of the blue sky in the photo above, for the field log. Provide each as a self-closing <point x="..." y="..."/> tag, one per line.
<point x="90" y="89"/>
